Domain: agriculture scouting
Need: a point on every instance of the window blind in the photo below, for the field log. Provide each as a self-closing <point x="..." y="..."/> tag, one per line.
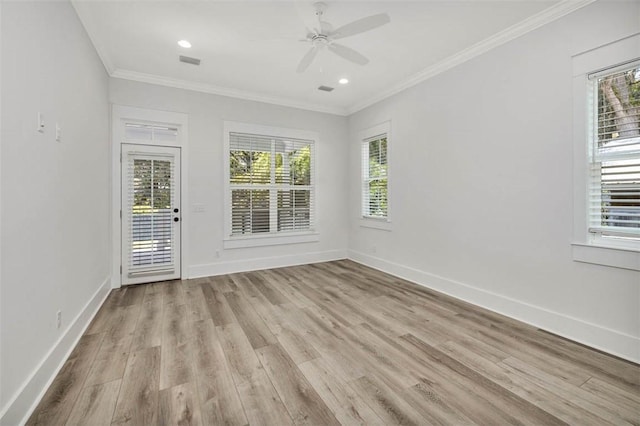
<point x="271" y="186"/>
<point x="375" y="177"/>
<point x="150" y="133"/>
<point x="148" y="213"/>
<point x="614" y="189"/>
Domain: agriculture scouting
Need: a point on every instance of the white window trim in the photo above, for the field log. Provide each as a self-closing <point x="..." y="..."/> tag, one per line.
<point x="381" y="223"/>
<point x="244" y="241"/>
<point x="588" y="247"/>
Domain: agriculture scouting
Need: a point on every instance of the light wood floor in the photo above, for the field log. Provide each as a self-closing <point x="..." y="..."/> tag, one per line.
<point x="326" y="344"/>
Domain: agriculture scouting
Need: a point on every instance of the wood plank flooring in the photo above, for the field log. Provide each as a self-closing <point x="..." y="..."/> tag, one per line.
<point x="324" y="344"/>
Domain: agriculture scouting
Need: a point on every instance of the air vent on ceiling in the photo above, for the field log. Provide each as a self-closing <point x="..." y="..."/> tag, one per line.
<point x="188" y="60"/>
<point x="325" y="88"/>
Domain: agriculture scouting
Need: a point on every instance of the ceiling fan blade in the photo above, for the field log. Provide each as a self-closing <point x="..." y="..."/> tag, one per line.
<point x="348" y="54"/>
<point x="307" y="59"/>
<point x="360" y="26"/>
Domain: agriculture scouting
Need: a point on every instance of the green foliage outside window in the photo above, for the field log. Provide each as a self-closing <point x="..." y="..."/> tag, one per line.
<point x="254" y="167"/>
<point x="251" y="208"/>
<point x="377" y="182"/>
<point x="151" y="186"/>
<point x="619" y="106"/>
<point x="618" y="129"/>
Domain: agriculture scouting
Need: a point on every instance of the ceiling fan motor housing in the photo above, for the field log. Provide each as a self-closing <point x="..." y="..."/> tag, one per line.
<point x="320" y="40"/>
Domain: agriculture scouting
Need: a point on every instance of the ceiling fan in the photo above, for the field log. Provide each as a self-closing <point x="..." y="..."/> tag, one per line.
<point x="324" y="36"/>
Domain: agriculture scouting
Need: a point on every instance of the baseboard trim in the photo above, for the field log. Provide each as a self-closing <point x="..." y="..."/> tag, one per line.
<point x="592" y="335"/>
<point x="245" y="265"/>
<point x="21" y="406"/>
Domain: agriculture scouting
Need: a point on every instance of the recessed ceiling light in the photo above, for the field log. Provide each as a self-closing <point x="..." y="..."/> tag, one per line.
<point x="184" y="43"/>
<point x="343" y="81"/>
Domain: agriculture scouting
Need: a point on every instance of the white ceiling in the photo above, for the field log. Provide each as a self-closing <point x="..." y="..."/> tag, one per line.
<point x="250" y="49"/>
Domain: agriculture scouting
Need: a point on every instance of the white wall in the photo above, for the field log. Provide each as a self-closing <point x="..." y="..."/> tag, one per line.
<point x="481" y="177"/>
<point x="481" y="193"/>
<point x="206" y="177"/>
<point x="55" y="195"/>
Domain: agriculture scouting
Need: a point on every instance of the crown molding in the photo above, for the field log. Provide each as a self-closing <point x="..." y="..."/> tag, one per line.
<point x="564" y="7"/>
<point x="521" y="28"/>
<point x="223" y="91"/>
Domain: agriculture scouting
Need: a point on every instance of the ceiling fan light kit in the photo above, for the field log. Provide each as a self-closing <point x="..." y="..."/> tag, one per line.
<point x="324" y="36"/>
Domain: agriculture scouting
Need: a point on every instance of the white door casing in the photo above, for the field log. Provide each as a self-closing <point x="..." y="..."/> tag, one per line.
<point x="151" y="212"/>
<point x="150" y="132"/>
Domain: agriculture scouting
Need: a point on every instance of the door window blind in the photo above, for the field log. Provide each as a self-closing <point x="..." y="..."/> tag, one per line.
<point x="150" y="133"/>
<point x="375" y="177"/>
<point x="614" y="189"/>
<point x="271" y="185"/>
<point x="148" y="212"/>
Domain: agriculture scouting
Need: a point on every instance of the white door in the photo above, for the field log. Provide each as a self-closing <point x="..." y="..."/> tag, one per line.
<point x="151" y="219"/>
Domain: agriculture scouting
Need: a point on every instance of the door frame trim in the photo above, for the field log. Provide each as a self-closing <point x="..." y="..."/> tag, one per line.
<point x="120" y="114"/>
<point x="131" y="274"/>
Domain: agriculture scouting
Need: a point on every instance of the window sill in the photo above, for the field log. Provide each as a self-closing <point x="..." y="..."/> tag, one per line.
<point x="269" y="240"/>
<point x="382" y="224"/>
<point x="615" y="257"/>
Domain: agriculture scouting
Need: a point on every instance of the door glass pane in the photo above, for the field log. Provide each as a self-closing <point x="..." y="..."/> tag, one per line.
<point x="138" y="132"/>
<point x="151" y="213"/>
<point x="141" y="132"/>
<point x="165" y="134"/>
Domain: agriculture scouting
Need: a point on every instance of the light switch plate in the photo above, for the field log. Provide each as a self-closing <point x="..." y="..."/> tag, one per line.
<point x="40" y="124"/>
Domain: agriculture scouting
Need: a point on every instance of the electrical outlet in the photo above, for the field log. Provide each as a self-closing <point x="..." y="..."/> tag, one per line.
<point x="58" y="319"/>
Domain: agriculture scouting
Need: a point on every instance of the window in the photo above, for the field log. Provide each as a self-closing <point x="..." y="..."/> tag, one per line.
<point x="375" y="173"/>
<point x="270" y="183"/>
<point x="614" y="157"/>
<point x="604" y="152"/>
